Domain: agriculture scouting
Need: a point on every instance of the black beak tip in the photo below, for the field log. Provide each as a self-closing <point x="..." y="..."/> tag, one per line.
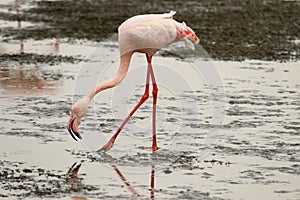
<point x="72" y="132"/>
<point x="78" y="135"/>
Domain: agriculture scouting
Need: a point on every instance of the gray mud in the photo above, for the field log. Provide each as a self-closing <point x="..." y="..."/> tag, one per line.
<point x="234" y="30"/>
<point x="31" y="58"/>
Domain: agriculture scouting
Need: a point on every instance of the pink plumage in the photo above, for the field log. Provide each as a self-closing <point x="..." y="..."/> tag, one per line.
<point x="152" y="31"/>
<point x="145" y="34"/>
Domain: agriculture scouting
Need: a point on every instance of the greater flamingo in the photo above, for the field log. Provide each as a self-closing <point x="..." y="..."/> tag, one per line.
<point x="144" y="34"/>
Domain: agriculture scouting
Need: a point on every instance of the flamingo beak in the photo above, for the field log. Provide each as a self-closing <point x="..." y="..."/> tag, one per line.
<point x="195" y="38"/>
<point x="75" y="135"/>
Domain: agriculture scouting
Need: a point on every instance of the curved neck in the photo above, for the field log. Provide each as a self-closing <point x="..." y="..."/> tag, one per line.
<point x="116" y="79"/>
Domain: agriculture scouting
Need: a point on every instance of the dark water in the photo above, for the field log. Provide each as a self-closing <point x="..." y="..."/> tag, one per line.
<point x="234" y="140"/>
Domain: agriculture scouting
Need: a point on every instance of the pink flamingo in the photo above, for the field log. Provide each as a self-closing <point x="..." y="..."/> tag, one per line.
<point x="144" y="34"/>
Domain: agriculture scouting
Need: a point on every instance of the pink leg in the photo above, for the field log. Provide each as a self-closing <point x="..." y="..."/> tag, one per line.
<point x="154" y="93"/>
<point x="150" y="73"/>
<point x="110" y="143"/>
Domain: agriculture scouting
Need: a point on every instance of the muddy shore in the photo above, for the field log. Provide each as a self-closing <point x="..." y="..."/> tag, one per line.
<point x="229" y="30"/>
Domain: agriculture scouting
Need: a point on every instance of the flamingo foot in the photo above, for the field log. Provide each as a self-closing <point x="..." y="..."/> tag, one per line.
<point x="107" y="146"/>
<point x="154" y="144"/>
<point x="155" y="148"/>
<point x="75" y="135"/>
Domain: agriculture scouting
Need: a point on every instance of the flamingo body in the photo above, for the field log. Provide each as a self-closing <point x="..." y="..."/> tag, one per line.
<point x="151" y="32"/>
<point x="145" y="34"/>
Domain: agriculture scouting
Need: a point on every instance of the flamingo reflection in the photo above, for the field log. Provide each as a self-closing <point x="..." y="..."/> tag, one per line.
<point x="73" y="173"/>
<point x="152" y="181"/>
<point x="30" y="79"/>
<point x="130" y="188"/>
<point x="18" y="78"/>
<point x="128" y="185"/>
<point x="19" y="26"/>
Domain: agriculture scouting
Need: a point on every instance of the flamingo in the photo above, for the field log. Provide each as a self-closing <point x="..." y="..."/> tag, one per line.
<point x="143" y="34"/>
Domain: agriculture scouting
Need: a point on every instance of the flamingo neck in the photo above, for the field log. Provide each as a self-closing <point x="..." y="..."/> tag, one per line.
<point x="116" y="79"/>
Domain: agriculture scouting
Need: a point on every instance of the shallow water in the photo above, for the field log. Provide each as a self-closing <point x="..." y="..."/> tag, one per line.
<point x="255" y="156"/>
<point x="226" y="130"/>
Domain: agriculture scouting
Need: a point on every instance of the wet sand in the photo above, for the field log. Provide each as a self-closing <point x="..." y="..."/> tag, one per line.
<point x="254" y="153"/>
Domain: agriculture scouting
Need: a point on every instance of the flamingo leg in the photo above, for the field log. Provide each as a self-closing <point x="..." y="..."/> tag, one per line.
<point x="154" y="94"/>
<point x="145" y="96"/>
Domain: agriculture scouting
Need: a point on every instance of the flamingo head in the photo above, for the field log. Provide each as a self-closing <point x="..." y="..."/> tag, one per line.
<point x="78" y="111"/>
<point x="187" y="34"/>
